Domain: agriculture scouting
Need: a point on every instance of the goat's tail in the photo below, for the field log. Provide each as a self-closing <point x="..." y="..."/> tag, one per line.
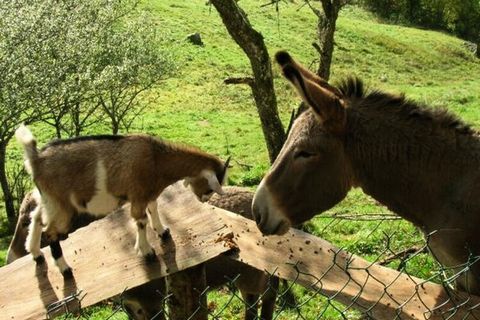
<point x="25" y="137"/>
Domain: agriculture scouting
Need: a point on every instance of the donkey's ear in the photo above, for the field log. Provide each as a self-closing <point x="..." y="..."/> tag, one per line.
<point x="283" y="58"/>
<point x="327" y="105"/>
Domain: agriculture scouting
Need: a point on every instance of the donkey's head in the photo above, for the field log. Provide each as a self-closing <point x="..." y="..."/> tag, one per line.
<point x="311" y="174"/>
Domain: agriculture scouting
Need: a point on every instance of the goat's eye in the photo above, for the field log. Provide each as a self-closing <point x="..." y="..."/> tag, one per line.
<point x="302" y="154"/>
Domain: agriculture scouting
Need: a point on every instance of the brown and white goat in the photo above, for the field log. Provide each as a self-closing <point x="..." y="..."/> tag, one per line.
<point x="97" y="174"/>
<point x="147" y="301"/>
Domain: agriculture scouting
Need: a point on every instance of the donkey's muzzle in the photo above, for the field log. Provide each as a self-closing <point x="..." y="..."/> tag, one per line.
<point x="270" y="220"/>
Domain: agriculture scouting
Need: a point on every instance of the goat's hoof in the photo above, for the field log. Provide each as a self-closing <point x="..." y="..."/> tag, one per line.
<point x="151" y="257"/>
<point x="67" y="273"/>
<point x="166" y="235"/>
<point x="39" y="259"/>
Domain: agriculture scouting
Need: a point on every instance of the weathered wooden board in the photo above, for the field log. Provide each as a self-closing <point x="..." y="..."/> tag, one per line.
<point x="316" y="264"/>
<point x="104" y="261"/>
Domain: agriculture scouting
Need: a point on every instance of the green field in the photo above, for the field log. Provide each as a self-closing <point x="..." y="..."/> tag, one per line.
<point x="195" y="107"/>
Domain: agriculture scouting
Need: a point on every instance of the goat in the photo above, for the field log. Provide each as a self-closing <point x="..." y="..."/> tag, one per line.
<point x="146" y="301"/>
<point x="97" y="174"/>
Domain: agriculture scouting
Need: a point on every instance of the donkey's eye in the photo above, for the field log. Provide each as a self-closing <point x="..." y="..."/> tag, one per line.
<point x="302" y="154"/>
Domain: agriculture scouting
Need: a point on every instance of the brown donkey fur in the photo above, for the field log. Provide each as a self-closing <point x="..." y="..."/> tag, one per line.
<point x="423" y="164"/>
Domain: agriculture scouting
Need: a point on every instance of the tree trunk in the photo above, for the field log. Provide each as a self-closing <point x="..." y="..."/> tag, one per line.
<point x="115" y="125"/>
<point x="187" y="294"/>
<point x="7" y="194"/>
<point x="251" y="42"/>
<point x="327" y="21"/>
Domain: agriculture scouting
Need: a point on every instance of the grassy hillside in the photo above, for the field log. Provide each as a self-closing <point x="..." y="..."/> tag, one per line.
<point x="194" y="106"/>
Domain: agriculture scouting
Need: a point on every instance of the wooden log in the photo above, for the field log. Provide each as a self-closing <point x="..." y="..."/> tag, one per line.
<point x="187" y="294"/>
<point x="380" y="292"/>
<point x="104" y="261"/>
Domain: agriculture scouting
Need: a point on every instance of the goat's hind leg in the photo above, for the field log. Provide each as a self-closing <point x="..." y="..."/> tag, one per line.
<point x="34" y="237"/>
<point x="163" y="233"/>
<point x="141" y="244"/>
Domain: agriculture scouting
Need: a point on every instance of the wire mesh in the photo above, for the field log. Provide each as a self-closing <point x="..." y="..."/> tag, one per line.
<point x="380" y="239"/>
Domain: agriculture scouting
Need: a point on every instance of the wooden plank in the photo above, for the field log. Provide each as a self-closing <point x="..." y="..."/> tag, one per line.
<point x="104" y="261"/>
<point x="349" y="279"/>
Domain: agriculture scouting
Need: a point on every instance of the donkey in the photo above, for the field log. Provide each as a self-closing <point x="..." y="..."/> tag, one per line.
<point x="419" y="162"/>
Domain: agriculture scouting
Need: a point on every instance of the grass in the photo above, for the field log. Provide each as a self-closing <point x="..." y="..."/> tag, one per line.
<point x="195" y="107"/>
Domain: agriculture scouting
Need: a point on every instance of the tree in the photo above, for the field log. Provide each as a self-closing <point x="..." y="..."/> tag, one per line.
<point x="251" y="42"/>
<point x="130" y="63"/>
<point x="54" y="58"/>
<point x="460" y="17"/>
<point x="327" y="21"/>
<point x="21" y="86"/>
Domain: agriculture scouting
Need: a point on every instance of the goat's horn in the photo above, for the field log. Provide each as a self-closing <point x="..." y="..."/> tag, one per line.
<point x="225" y="168"/>
<point x="227" y="163"/>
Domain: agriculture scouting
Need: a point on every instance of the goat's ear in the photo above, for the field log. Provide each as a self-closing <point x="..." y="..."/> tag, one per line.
<point x="328" y="106"/>
<point x="213" y="182"/>
<point x="186" y="182"/>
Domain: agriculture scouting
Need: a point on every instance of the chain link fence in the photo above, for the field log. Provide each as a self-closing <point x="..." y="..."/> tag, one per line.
<point x="382" y="239"/>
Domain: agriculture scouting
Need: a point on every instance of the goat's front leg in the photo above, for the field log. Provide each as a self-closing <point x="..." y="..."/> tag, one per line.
<point x="34" y="237"/>
<point x="163" y="233"/>
<point x="141" y="244"/>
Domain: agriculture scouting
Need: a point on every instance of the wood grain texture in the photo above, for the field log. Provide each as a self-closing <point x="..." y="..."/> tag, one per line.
<point x="104" y="261"/>
<point x="349" y="279"/>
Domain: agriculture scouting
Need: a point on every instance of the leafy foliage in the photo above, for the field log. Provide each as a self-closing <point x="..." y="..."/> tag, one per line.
<point x="72" y="64"/>
<point x="461" y="17"/>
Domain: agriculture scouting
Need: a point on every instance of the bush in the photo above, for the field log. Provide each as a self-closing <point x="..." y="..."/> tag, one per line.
<point x="460" y="17"/>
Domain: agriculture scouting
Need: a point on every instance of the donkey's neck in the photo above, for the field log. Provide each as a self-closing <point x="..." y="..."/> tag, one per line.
<point x="416" y="169"/>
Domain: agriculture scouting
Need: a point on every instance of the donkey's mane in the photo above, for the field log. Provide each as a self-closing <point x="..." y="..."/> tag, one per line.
<point x="354" y="90"/>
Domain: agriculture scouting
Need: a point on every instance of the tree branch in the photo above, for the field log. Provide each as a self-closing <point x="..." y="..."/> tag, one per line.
<point x="402" y="254"/>
<point x="242" y="80"/>
<point x="317" y="47"/>
<point x="314" y="10"/>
